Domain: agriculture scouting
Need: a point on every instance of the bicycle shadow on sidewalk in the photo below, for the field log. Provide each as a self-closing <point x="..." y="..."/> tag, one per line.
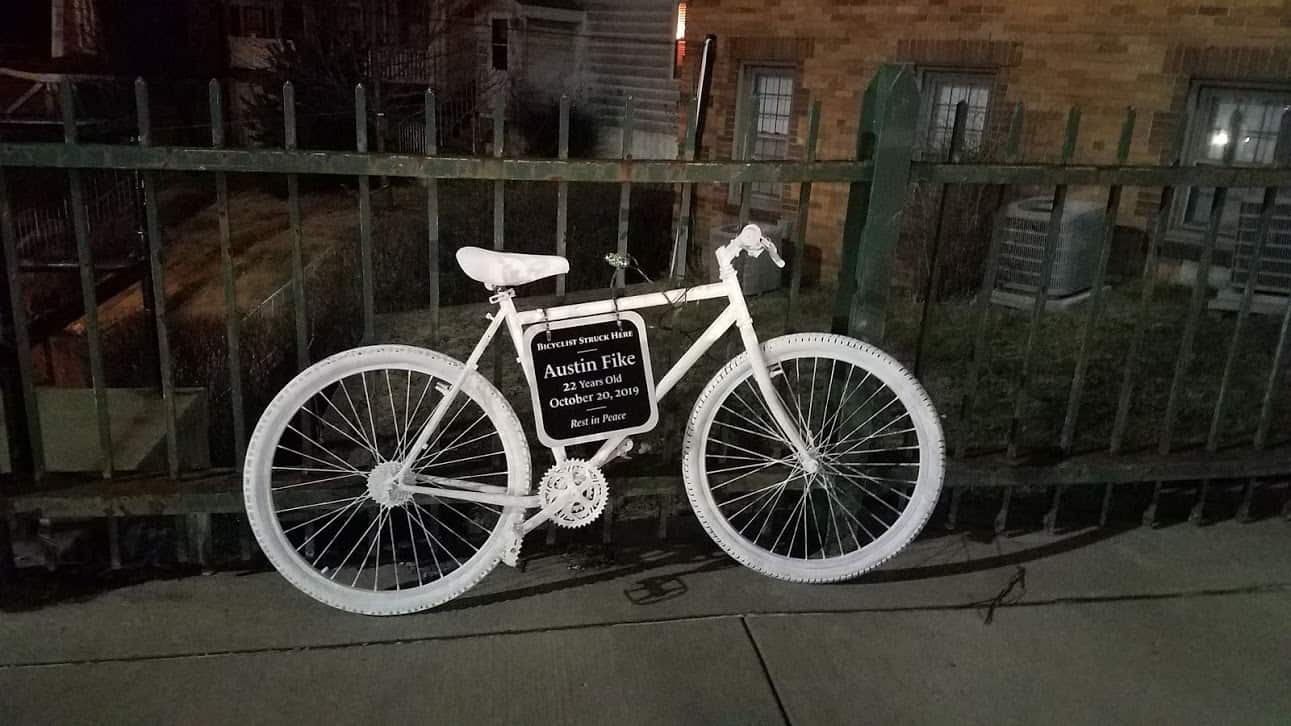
<point x="942" y="556"/>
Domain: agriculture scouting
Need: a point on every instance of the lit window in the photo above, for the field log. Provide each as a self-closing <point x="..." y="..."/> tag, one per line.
<point x="679" y="42"/>
<point x="940" y="94"/>
<point x="1262" y="114"/>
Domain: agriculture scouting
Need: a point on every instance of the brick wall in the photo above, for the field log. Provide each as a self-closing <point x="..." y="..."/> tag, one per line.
<point x="1050" y="54"/>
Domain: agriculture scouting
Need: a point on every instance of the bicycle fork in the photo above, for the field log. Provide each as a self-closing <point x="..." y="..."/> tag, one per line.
<point x="762" y="376"/>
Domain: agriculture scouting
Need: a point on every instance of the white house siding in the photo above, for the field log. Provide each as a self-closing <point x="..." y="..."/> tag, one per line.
<point x="550" y="63"/>
<point x="630" y="53"/>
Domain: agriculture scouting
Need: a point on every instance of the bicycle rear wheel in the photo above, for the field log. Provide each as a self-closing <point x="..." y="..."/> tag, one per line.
<point x="866" y="420"/>
<point x="318" y="467"/>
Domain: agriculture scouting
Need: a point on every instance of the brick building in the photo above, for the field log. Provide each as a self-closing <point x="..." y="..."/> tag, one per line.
<point x="1170" y="60"/>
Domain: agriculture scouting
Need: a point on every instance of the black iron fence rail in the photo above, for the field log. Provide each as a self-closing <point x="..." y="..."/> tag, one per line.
<point x="879" y="178"/>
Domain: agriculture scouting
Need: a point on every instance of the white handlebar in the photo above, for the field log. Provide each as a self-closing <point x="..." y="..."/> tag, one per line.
<point x="750" y="240"/>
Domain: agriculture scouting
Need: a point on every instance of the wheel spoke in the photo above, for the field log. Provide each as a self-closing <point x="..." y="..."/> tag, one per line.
<point x="412" y="418"/>
<point x="430" y="538"/>
<point x="446" y="527"/>
<point x="769" y="498"/>
<point x="332" y="426"/>
<point x="858" y="409"/>
<point x="307" y="438"/>
<point x="351" y="424"/>
<point x="852" y="480"/>
<point x="350" y="554"/>
<point x="777" y="439"/>
<point x="873" y="416"/>
<point x="767" y="425"/>
<point x="741" y="476"/>
<point x="332" y="541"/>
<point x="319" y="504"/>
<point x="358" y="501"/>
<point x="791" y="518"/>
<point x="358" y="422"/>
<point x="458" y="461"/>
<point x="848" y="514"/>
<point x="394" y="413"/>
<point x="367" y="399"/>
<point x="412" y="542"/>
<point x="763" y="457"/>
<point x="314" y="481"/>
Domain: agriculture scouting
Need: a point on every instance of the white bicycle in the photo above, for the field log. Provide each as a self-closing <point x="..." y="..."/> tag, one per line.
<point x="390" y="479"/>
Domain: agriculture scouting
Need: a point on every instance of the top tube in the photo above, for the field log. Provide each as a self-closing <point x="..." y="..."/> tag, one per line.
<point x="707" y="291"/>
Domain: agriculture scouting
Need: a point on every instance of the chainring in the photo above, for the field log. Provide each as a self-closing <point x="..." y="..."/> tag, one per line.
<point x="592" y="492"/>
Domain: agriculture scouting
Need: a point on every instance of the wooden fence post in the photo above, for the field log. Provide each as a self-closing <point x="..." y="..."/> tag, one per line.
<point x="885" y="137"/>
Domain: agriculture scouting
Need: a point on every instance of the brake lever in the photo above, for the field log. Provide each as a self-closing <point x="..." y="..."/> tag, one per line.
<point x="769" y="246"/>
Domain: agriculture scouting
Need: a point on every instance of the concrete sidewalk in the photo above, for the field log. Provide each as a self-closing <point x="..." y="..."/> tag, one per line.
<point x="1180" y="625"/>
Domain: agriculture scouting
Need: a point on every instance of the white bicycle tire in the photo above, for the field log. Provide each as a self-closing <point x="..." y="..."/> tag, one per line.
<point x="257" y="481"/>
<point x="931" y="450"/>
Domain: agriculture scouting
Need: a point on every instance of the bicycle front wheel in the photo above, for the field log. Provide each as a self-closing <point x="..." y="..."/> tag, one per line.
<point x="318" y="472"/>
<point x="864" y="418"/>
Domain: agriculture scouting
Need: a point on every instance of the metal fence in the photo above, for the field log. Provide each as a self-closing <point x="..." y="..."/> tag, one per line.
<point x="864" y="305"/>
<point x="879" y="176"/>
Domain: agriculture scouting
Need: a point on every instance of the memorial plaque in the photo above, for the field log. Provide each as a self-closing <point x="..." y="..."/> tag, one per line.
<point x="593" y="378"/>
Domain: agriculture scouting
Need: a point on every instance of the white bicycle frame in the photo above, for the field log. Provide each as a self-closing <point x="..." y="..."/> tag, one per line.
<point x="736" y="313"/>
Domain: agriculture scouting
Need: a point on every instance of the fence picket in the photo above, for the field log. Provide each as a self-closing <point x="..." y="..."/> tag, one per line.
<point x="982" y="312"/>
<point x="232" y="320"/>
<point x="430" y="128"/>
<point x="1183" y="361"/>
<point x="562" y="193"/>
<point x="157" y="275"/>
<point x="299" y="305"/>
<point x="625" y="194"/>
<point x="88" y="278"/>
<point x="499" y="209"/>
<point x="1155" y="236"/>
<point x="365" y="217"/>
<point x="800" y="222"/>
<point x="930" y="282"/>
<point x="21" y="335"/>
<point x="1267" y="205"/>
<point x="1093" y="309"/>
<point x="1054" y="229"/>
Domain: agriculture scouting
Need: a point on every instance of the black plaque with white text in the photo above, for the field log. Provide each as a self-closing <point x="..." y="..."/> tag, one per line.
<point x="593" y="378"/>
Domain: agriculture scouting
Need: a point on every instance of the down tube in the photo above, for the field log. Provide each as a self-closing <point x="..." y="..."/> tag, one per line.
<point x="711" y="335"/>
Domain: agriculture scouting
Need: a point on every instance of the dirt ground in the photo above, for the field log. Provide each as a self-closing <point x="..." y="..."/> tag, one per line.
<point x="261" y="242"/>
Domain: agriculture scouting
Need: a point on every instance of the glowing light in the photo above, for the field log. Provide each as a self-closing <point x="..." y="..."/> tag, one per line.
<point x="1219" y="138"/>
<point x="681" y="21"/>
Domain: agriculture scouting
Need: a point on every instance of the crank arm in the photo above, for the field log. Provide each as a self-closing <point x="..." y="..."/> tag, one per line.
<point x="546" y="512"/>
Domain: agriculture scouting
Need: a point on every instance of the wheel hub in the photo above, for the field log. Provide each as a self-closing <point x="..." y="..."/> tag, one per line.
<point x="383" y="487"/>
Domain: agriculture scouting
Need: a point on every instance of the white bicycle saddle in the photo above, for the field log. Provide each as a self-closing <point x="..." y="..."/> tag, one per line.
<point x="508" y="269"/>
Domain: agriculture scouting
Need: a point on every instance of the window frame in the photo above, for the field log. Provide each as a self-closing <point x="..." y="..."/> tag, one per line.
<point x="946" y="75"/>
<point x="505" y="45"/>
<point x="1199" y="124"/>
<point x="749" y="72"/>
<point x="237" y="20"/>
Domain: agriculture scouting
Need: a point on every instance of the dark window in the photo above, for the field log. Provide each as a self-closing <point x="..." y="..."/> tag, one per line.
<point x="500" y="47"/>
<point x="250" y="21"/>
<point x="773" y="113"/>
<point x="941" y="93"/>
